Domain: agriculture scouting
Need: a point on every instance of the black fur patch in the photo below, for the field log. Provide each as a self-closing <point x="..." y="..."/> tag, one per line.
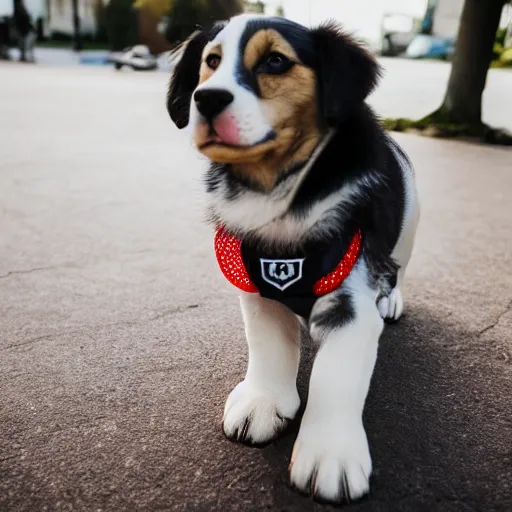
<point x="360" y="154"/>
<point x="235" y="183"/>
<point x="340" y="313"/>
<point x="346" y="73"/>
<point x="186" y="77"/>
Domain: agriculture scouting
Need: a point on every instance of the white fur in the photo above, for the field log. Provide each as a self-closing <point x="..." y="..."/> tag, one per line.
<point x="268" y="211"/>
<point x="263" y="213"/>
<point x="268" y="394"/>
<point x="331" y="451"/>
<point x="245" y="108"/>
<point x="392" y="306"/>
<point x="403" y="249"/>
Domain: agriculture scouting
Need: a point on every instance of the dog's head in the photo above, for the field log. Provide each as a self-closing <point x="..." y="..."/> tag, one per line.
<point x="259" y="91"/>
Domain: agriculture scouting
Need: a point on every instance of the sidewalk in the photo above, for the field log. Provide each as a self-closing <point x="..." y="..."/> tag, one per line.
<point x="65" y="57"/>
<point x="60" y="57"/>
<point x="120" y="340"/>
<point x="409" y="88"/>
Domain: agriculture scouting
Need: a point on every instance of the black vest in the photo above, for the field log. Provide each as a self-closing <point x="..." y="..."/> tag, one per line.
<point x="291" y="278"/>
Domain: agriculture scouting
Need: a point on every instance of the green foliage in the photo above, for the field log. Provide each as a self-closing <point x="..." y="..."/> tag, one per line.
<point x="501" y="56"/>
<point x="500" y="36"/>
<point x="438" y="125"/>
<point x="121" y="24"/>
<point x="506" y="57"/>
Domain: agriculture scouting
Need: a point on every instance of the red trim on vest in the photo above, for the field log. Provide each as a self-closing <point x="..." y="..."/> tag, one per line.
<point x="229" y="257"/>
<point x="332" y="281"/>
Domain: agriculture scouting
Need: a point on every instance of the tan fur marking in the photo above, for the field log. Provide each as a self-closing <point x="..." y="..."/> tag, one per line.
<point x="205" y="71"/>
<point x="263" y="41"/>
<point x="289" y="103"/>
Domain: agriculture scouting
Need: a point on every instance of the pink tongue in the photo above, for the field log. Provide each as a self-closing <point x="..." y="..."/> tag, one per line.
<point x="226" y="128"/>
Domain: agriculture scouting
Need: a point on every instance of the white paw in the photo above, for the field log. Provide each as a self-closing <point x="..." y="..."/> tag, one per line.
<point x="254" y="416"/>
<point x="392" y="306"/>
<point x="333" y="464"/>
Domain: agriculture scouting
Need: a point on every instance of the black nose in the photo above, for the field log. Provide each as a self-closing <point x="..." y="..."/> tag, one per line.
<point x="211" y="102"/>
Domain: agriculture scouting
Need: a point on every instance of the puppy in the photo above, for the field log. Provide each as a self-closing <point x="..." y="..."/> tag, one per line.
<point x="316" y="210"/>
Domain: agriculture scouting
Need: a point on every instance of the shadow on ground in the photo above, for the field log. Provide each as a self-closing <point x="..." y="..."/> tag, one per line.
<point x="439" y="434"/>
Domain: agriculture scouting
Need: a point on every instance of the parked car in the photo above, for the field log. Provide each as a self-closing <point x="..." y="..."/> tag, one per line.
<point x="137" y="57"/>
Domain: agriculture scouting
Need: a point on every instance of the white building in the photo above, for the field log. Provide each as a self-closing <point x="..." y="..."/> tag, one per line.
<point x="59" y="16"/>
<point x="447" y="17"/>
<point x="364" y="18"/>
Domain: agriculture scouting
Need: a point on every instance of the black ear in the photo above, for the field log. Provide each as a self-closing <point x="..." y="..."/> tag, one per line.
<point x="185" y="78"/>
<point x="346" y="72"/>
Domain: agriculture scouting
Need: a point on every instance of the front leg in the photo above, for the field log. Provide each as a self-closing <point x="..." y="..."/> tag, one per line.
<point x="331" y="458"/>
<point x="261" y="405"/>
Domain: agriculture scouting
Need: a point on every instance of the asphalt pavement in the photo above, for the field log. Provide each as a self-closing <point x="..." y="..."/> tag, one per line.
<point x="120" y="340"/>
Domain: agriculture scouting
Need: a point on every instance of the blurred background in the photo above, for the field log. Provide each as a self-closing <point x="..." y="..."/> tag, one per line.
<point x="405" y="28"/>
<point x="142" y="35"/>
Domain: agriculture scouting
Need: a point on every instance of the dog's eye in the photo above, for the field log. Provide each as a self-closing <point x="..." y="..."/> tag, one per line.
<point x="275" y="63"/>
<point x="213" y="61"/>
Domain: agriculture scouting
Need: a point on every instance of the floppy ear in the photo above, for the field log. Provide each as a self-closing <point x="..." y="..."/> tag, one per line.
<point x="185" y="78"/>
<point x="346" y="72"/>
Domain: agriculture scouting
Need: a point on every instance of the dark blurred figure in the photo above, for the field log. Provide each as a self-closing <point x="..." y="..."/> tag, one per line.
<point x="4" y="38"/>
<point x="6" y="12"/>
<point x="25" y="31"/>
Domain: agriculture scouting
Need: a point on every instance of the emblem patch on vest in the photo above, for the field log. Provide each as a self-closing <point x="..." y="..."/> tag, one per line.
<point x="281" y="273"/>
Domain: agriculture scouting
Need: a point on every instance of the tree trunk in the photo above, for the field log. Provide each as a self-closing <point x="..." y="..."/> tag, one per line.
<point x="477" y="31"/>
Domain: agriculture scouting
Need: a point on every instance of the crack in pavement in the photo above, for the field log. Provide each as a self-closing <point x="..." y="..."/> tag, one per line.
<point x="496" y="320"/>
<point x="36" y="269"/>
<point x="83" y="331"/>
<point x="172" y="311"/>
<point x="14" y="272"/>
<point x="31" y="340"/>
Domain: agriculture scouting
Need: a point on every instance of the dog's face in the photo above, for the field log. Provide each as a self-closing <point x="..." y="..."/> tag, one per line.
<point x="259" y="91"/>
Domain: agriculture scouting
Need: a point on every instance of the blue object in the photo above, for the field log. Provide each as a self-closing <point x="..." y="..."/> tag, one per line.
<point x="427" y="46"/>
<point x="94" y="58"/>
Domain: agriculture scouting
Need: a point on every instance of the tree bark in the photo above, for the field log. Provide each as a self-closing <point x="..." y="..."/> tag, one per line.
<point x="477" y="31"/>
